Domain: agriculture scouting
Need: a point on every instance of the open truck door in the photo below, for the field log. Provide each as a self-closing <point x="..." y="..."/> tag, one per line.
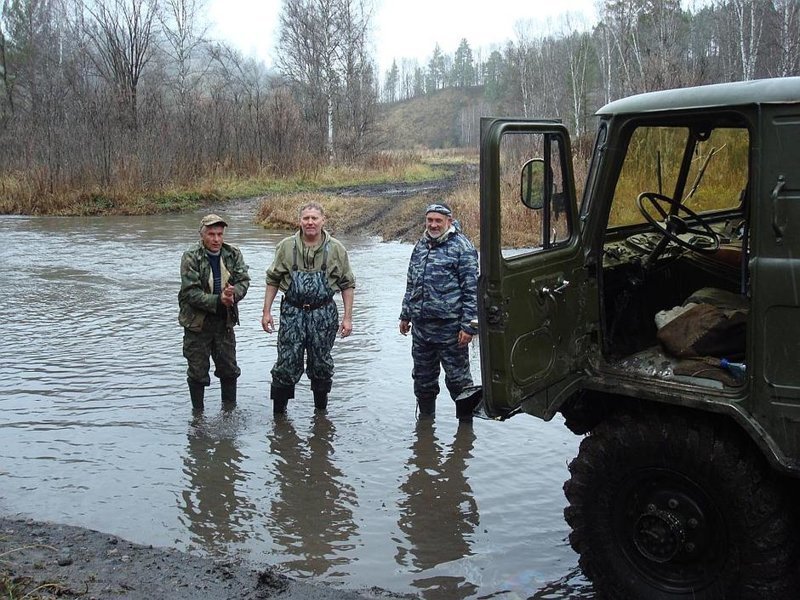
<point x="537" y="306"/>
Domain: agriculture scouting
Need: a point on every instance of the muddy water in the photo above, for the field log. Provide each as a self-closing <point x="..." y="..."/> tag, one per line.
<point x="96" y="429"/>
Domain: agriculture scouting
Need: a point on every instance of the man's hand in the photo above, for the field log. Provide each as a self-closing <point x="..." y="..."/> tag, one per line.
<point x="346" y="328"/>
<point x="227" y="295"/>
<point x="464" y="338"/>
<point x="405" y="327"/>
<point x="266" y="322"/>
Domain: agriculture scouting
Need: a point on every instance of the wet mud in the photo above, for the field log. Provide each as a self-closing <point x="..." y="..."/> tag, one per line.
<point x="46" y="560"/>
<point x="395" y="213"/>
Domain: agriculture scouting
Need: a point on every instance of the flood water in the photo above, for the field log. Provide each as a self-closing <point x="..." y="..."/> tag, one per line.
<point x="97" y="431"/>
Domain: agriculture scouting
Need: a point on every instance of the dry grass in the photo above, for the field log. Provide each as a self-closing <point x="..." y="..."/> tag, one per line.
<point x="388" y="218"/>
<point x="30" y="193"/>
<point x="18" y="587"/>
<point x="351" y="215"/>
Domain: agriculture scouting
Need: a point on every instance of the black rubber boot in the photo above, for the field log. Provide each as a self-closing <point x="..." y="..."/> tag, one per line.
<point x="228" y="388"/>
<point x="197" y="392"/>
<point x="466" y="403"/>
<point x="280" y="398"/>
<point x="320" y="401"/>
<point x="463" y="412"/>
<point x="426" y="405"/>
<point x="321" y="388"/>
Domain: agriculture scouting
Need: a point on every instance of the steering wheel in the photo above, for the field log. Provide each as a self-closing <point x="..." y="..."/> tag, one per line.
<point x="672" y="226"/>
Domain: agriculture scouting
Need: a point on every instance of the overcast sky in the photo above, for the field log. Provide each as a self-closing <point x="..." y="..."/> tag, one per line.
<point x="405" y="28"/>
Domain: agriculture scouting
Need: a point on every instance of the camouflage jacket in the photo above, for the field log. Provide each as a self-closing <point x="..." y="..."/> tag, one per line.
<point x="196" y="298"/>
<point x="442" y="281"/>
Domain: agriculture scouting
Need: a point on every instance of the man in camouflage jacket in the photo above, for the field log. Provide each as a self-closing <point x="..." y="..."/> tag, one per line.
<point x="440" y="306"/>
<point x="214" y="279"/>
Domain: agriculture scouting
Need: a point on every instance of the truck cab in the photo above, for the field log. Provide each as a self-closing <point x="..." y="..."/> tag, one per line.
<point x="660" y="316"/>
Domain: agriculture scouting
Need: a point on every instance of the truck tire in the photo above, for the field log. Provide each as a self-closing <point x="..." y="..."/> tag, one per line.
<point x="666" y="506"/>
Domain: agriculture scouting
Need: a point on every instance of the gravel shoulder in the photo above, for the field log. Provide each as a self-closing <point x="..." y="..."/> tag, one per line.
<point x="48" y="560"/>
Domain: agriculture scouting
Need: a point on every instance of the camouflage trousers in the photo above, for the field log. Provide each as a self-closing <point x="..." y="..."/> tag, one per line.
<point x="216" y="341"/>
<point x="434" y="345"/>
<point x="309" y="333"/>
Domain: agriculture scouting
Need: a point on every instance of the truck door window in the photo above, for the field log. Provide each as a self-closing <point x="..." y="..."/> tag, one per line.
<point x="532" y="159"/>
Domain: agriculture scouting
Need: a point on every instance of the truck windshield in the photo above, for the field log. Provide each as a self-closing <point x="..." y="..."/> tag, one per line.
<point x="716" y="179"/>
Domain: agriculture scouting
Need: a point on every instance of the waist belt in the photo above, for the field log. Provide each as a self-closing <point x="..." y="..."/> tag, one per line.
<point x="308" y="305"/>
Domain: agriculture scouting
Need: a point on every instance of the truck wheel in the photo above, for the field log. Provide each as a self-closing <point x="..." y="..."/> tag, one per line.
<point x="666" y="507"/>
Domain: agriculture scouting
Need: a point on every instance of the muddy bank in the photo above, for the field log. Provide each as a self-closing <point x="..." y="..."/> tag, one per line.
<point x="46" y="560"/>
<point x="391" y="211"/>
<point x="395" y="213"/>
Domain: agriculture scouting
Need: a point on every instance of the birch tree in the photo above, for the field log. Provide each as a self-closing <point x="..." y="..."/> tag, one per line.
<point x="321" y="46"/>
<point x="749" y="27"/>
<point x="788" y="37"/>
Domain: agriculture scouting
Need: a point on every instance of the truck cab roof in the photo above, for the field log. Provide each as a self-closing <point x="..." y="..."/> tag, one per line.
<point x="763" y="91"/>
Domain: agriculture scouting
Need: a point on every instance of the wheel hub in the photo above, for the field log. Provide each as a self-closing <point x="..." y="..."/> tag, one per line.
<point x="659" y="535"/>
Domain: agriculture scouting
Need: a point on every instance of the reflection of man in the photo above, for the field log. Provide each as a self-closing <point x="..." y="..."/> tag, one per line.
<point x="214" y="279"/>
<point x="439" y="306"/>
<point x="438" y="514"/>
<point x="217" y="511"/>
<point x="309" y="268"/>
<point x="311" y="515"/>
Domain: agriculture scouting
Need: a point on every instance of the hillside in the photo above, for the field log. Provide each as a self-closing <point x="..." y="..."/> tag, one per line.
<point x="448" y="118"/>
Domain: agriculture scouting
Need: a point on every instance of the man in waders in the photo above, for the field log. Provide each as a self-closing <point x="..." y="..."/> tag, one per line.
<point x="309" y="267"/>
<point x="439" y="308"/>
<point x="214" y="279"/>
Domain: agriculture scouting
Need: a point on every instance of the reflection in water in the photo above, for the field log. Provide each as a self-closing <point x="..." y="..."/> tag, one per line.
<point x="214" y="505"/>
<point x="94" y="429"/>
<point x="572" y="585"/>
<point x="437" y="511"/>
<point x="312" y="516"/>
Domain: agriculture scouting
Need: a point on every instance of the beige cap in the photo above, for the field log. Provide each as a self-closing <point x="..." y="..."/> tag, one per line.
<point x="212" y="219"/>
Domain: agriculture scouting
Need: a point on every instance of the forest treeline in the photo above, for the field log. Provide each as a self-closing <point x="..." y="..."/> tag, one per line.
<point x="636" y="46"/>
<point x="101" y="99"/>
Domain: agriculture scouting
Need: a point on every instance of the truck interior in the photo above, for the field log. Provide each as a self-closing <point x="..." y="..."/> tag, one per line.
<point x="677" y="237"/>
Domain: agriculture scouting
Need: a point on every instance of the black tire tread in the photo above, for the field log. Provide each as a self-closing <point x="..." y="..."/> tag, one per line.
<point x="762" y="565"/>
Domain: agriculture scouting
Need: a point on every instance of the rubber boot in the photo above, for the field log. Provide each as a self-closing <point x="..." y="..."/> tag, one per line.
<point x="426" y="405"/>
<point x="321" y="388"/>
<point x="280" y="398"/>
<point x="228" y="389"/>
<point x="197" y="392"/>
<point x="466" y="403"/>
<point x="464" y="412"/>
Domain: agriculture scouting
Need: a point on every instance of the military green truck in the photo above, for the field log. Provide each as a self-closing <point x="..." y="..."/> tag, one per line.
<point x="685" y="482"/>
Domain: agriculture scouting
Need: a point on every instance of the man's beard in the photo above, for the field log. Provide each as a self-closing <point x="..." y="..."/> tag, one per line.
<point x="435" y="236"/>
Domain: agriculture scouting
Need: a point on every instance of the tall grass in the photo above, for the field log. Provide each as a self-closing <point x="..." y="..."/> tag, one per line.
<point x="32" y="193"/>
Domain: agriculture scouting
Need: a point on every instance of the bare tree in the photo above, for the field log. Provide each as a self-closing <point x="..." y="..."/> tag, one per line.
<point x="285" y="130"/>
<point x="180" y="26"/>
<point x="322" y="49"/>
<point x="7" y="99"/>
<point x="122" y="34"/>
